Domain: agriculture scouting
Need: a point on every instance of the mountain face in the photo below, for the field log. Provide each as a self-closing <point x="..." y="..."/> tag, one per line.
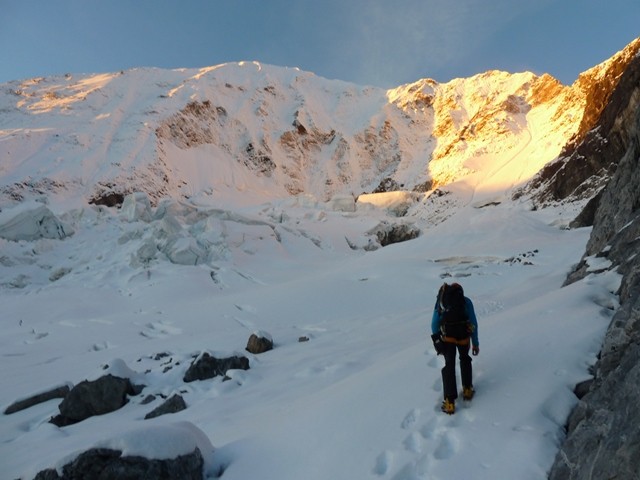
<point x="589" y="159"/>
<point x="180" y="133"/>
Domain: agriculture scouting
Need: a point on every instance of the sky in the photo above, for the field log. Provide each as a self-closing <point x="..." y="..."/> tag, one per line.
<point x="375" y="42"/>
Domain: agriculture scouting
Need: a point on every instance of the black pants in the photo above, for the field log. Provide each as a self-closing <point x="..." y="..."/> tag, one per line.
<point x="449" y="370"/>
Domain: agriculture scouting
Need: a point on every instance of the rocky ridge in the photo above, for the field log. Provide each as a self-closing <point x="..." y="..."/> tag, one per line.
<point x="589" y="158"/>
<point x="603" y="438"/>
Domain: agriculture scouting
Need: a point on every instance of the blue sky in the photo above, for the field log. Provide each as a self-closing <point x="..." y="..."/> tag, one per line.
<point x="374" y="42"/>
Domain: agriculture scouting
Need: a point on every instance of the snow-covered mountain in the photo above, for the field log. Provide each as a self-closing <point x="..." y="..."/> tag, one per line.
<point x="240" y="135"/>
<point x="269" y="132"/>
<point x="149" y="216"/>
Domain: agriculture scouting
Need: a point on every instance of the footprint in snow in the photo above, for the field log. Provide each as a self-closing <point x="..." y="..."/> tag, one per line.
<point x="430" y="429"/>
<point x="434" y="441"/>
<point x="413" y="443"/>
<point x="448" y="446"/>
<point x="437" y="387"/>
<point x="159" y="330"/>
<point x="416" y="470"/>
<point x="384" y="463"/>
<point x="410" y="419"/>
<point x="428" y="442"/>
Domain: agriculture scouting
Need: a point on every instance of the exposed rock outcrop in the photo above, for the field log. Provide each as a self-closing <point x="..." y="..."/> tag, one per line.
<point x="590" y="158"/>
<point x="597" y="85"/>
<point x="603" y="432"/>
<point x="207" y="366"/>
<point x="57" y="392"/>
<point x="388" y="233"/>
<point x="193" y="125"/>
<point x="89" y="398"/>
<point x="161" y="452"/>
<point x="174" y="404"/>
<point x="107" y="464"/>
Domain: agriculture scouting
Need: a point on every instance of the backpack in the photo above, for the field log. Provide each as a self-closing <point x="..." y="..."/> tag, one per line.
<point x="453" y="312"/>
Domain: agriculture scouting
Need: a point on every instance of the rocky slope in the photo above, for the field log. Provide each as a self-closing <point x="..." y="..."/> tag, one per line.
<point x="590" y="157"/>
<point x="603" y="438"/>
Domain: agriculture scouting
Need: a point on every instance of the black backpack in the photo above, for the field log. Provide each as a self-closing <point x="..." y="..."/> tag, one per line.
<point x="451" y="306"/>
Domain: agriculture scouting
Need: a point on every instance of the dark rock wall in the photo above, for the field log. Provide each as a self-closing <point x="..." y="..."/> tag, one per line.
<point x="603" y="432"/>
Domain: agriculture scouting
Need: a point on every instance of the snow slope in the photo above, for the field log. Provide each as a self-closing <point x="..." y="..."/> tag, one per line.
<point x="361" y="398"/>
<point x="232" y="250"/>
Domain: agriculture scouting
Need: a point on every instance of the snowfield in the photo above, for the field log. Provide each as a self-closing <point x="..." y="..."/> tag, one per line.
<point x="352" y="389"/>
<point x="361" y="398"/>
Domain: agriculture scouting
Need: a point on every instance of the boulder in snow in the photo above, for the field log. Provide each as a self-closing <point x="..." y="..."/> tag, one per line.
<point x="259" y="342"/>
<point x="104" y="395"/>
<point x="110" y="464"/>
<point x="162" y="452"/>
<point x="207" y="366"/>
<point x="389" y="233"/>
<point x="173" y="404"/>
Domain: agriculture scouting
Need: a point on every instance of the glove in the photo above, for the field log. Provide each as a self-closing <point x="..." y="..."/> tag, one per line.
<point x="437" y="343"/>
<point x="475" y="350"/>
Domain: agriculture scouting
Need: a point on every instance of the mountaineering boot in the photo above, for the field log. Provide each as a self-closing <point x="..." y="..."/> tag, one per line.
<point x="449" y="406"/>
<point x="468" y="393"/>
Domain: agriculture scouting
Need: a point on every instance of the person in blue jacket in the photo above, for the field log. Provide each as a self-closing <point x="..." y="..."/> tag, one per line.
<point x="454" y="327"/>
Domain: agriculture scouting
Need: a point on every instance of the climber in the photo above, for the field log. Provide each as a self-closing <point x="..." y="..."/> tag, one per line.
<point x="454" y="327"/>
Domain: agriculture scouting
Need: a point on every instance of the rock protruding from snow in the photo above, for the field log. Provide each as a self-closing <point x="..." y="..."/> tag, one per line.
<point x="207" y="366"/>
<point x="166" y="452"/>
<point x="108" y="464"/>
<point x="57" y="392"/>
<point x="389" y="233"/>
<point x="89" y="398"/>
<point x="173" y="404"/>
<point x="590" y="158"/>
<point x="603" y="438"/>
<point x="259" y="342"/>
<point x="31" y="221"/>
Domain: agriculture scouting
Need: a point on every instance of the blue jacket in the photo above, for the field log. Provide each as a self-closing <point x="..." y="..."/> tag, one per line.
<point x="436" y="319"/>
